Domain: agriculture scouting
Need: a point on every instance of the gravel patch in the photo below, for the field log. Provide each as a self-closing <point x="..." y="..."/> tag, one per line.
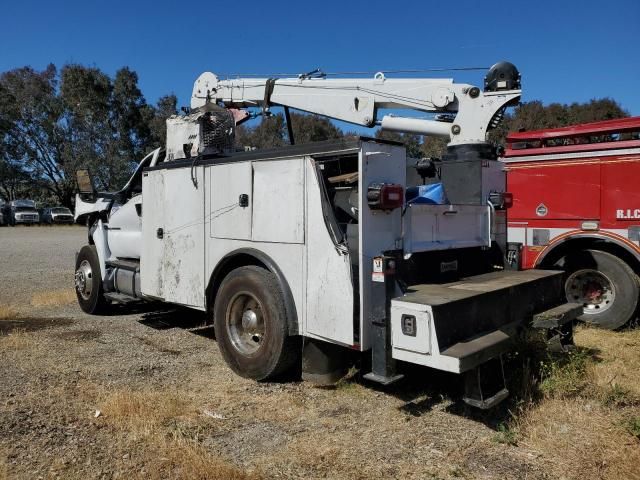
<point x="37" y="259"/>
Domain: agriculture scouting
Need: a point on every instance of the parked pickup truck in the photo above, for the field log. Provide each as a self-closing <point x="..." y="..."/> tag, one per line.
<point x="21" y="212"/>
<point x="51" y="215"/>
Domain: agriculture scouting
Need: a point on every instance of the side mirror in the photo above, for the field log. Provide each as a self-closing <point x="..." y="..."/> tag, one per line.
<point x="85" y="182"/>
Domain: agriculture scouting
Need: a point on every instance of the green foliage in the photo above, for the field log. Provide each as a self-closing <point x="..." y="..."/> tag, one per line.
<point x="53" y="123"/>
<point x="535" y="116"/>
<point x="269" y="133"/>
<point x="433" y="147"/>
<point x="411" y="141"/>
<point x="565" y="376"/>
<point x="155" y="118"/>
<point x="312" y="128"/>
<point x="29" y="112"/>
<point x="617" y="396"/>
<point x="632" y="426"/>
<point x="506" y="434"/>
<point x="272" y="131"/>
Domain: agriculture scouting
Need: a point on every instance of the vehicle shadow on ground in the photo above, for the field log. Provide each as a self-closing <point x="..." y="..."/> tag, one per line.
<point x="161" y="317"/>
<point x="424" y="390"/>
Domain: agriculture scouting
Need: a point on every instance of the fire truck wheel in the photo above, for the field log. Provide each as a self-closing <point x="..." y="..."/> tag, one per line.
<point x="250" y="324"/>
<point x="606" y="286"/>
<point x="88" y="282"/>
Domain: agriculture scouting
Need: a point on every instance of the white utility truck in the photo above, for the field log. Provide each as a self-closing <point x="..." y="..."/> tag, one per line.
<point x="305" y="253"/>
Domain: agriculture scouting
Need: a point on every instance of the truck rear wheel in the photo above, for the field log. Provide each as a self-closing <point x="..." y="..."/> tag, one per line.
<point x="605" y="285"/>
<point x="250" y="324"/>
<point x="88" y="282"/>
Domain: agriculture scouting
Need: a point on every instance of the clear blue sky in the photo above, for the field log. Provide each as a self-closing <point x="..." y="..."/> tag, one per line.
<point x="567" y="51"/>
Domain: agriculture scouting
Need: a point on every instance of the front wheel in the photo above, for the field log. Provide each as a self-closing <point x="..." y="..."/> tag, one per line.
<point x="606" y="286"/>
<point x="250" y="324"/>
<point x="88" y="282"/>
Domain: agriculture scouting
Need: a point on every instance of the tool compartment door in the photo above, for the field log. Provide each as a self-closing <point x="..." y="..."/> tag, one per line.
<point x="278" y="212"/>
<point x="152" y="252"/>
<point x="228" y="219"/>
<point x="184" y="237"/>
<point x="442" y="227"/>
<point x="329" y="286"/>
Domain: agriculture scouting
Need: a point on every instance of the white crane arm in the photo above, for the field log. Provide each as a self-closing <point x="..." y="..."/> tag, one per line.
<point x="357" y="101"/>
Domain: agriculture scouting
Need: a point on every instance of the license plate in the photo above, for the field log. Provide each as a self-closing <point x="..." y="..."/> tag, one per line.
<point x="449" y="266"/>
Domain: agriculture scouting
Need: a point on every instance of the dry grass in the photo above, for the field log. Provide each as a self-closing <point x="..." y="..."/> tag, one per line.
<point x="4" y="474"/>
<point x="143" y="413"/>
<point x="317" y="454"/>
<point x="580" y="438"/>
<point x="7" y="312"/>
<point x="14" y="327"/>
<point x="163" y="421"/>
<point x="16" y="340"/>
<point x="54" y="298"/>
<point x="188" y="460"/>
<point x="585" y="424"/>
<point x="619" y="355"/>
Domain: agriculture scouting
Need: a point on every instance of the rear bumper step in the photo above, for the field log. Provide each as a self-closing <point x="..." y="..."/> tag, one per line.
<point x="458" y="326"/>
<point x="480" y="349"/>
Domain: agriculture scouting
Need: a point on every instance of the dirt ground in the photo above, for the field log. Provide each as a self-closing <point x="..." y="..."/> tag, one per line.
<point x="145" y="394"/>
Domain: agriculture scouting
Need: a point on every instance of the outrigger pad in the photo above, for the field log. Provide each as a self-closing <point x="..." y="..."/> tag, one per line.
<point x="485" y="385"/>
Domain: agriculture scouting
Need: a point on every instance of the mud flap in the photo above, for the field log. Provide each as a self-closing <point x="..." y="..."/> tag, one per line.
<point x="485" y="386"/>
<point x="323" y="363"/>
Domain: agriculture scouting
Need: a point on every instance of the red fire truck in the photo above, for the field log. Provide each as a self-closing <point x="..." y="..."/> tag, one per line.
<point x="576" y="206"/>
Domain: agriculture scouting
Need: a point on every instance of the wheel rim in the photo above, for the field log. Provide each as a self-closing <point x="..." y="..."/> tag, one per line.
<point x="245" y="323"/>
<point x="591" y="288"/>
<point x="84" y="280"/>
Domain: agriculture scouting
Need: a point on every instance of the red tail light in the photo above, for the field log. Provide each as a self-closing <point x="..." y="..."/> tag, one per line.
<point x="385" y="196"/>
<point x="501" y="200"/>
<point x="507" y="200"/>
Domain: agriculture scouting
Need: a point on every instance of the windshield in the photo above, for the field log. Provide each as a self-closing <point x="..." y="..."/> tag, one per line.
<point x="25" y="209"/>
<point x="61" y="210"/>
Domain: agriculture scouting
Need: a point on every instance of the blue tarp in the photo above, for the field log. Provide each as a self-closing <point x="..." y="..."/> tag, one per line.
<point x="432" y="194"/>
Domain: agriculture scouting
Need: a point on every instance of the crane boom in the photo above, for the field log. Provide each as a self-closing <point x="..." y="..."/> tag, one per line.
<point x="357" y="100"/>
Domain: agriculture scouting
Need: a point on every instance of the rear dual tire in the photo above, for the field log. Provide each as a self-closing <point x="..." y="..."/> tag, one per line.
<point x="250" y="324"/>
